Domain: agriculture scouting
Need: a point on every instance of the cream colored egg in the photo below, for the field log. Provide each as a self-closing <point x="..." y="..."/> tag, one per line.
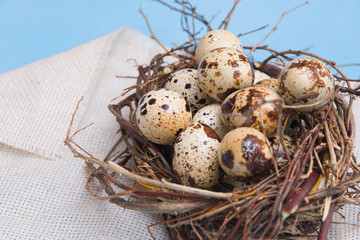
<point x="270" y="83"/>
<point x="216" y="39"/>
<point x="161" y="115"/>
<point x="185" y="82"/>
<point x="195" y="161"/>
<point x="254" y="107"/>
<point x="306" y="81"/>
<point x="223" y="71"/>
<point x="260" y="76"/>
<point x="211" y="116"/>
<point x="245" y="154"/>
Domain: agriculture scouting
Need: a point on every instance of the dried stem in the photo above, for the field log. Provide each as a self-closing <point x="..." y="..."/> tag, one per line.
<point x="276" y="26"/>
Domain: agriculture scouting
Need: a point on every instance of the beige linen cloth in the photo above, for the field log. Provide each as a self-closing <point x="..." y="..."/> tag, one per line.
<point x="42" y="193"/>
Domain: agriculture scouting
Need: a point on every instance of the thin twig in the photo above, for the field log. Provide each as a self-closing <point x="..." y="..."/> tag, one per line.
<point x="276" y="26"/>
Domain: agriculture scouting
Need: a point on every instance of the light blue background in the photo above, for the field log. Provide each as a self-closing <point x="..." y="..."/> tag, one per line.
<point x="35" y="29"/>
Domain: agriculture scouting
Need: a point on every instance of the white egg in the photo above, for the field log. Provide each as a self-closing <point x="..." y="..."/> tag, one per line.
<point x="211" y="116"/>
<point x="223" y="71"/>
<point x="185" y="82"/>
<point x="306" y="81"/>
<point x="260" y="76"/>
<point x="161" y="115"/>
<point x="245" y="154"/>
<point x="254" y="107"/>
<point x="195" y="161"/>
<point x="215" y="39"/>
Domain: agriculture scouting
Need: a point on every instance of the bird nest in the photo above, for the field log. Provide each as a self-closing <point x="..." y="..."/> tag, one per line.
<point x="295" y="200"/>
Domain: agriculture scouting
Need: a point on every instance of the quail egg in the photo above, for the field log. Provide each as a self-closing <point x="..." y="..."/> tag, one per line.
<point x="215" y="39"/>
<point x="245" y="154"/>
<point x="223" y="71"/>
<point x="185" y="82"/>
<point x="161" y="115"/>
<point x="260" y="76"/>
<point x="278" y="150"/>
<point x="195" y="161"/>
<point x="255" y="107"/>
<point x="306" y="81"/>
<point x="270" y="83"/>
<point x="211" y="116"/>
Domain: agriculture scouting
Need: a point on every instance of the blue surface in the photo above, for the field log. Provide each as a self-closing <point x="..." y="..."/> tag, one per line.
<point x="35" y="29"/>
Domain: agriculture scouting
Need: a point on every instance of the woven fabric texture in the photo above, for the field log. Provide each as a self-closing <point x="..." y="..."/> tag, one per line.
<point x="42" y="194"/>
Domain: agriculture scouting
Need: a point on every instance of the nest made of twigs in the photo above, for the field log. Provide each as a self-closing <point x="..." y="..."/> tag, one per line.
<point x="296" y="200"/>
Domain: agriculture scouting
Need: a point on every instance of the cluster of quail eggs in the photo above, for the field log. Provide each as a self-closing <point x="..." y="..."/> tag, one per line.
<point x="222" y="117"/>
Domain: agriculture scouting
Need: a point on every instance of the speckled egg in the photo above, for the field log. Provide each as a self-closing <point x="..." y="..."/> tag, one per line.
<point x="306" y="81"/>
<point x="185" y="82"/>
<point x="211" y="116"/>
<point x="216" y="39"/>
<point x="161" y="115"/>
<point x="248" y="108"/>
<point x="195" y="161"/>
<point x="223" y="71"/>
<point x="278" y="150"/>
<point x="270" y="83"/>
<point x="245" y="154"/>
<point x="260" y="76"/>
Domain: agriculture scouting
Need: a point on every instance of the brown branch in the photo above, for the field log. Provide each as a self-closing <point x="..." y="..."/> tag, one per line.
<point x="157" y="40"/>
<point x="196" y="15"/>
<point x="227" y="19"/>
<point x="276" y="26"/>
<point x="252" y="31"/>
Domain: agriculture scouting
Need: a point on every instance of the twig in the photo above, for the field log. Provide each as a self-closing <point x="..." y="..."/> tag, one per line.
<point x="276" y="26"/>
<point x="227" y="19"/>
<point x="252" y="31"/>
<point x="155" y="38"/>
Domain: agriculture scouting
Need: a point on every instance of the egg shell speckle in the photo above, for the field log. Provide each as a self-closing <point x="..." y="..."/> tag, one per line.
<point x="306" y="81"/>
<point x="215" y="39"/>
<point x="246" y="108"/>
<point x="278" y="150"/>
<point x="195" y="161"/>
<point x="185" y="82"/>
<point x="245" y="154"/>
<point x="161" y="115"/>
<point x="211" y="116"/>
<point x="270" y="83"/>
<point x="223" y="71"/>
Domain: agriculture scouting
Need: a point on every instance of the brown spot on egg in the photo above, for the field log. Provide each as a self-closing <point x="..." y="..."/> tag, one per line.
<point x="210" y="132"/>
<point x="228" y="159"/>
<point x="229" y="104"/>
<point x="243" y="58"/>
<point x="191" y="181"/>
<point x="203" y="64"/>
<point x="218" y="74"/>
<point x="233" y="63"/>
<point x="236" y="74"/>
<point x="252" y="151"/>
<point x="299" y="64"/>
<point x="213" y="65"/>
